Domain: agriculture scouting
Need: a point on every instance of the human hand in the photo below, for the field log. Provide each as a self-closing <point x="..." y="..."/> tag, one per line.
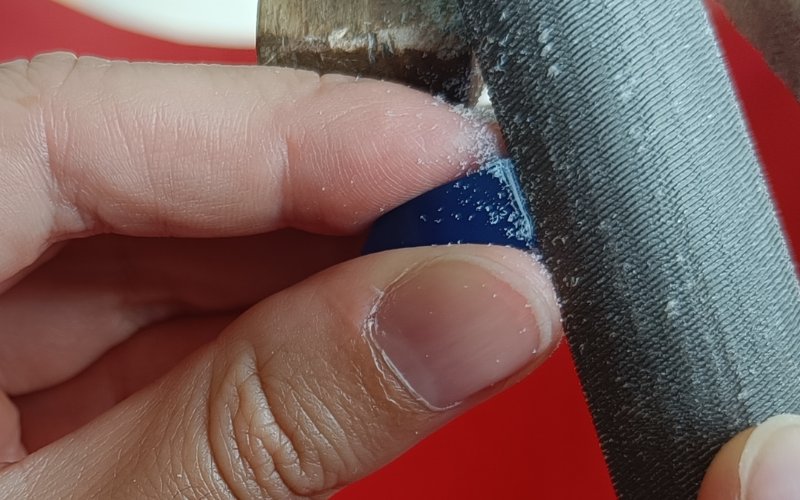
<point x="333" y="375"/>
<point x="759" y="464"/>
<point x="198" y="152"/>
<point x="763" y="463"/>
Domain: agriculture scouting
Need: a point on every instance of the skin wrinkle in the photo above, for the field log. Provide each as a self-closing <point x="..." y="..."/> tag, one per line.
<point x="289" y="457"/>
<point x="291" y="139"/>
<point x="307" y="456"/>
<point x="166" y="203"/>
<point x="254" y="442"/>
<point x="21" y="199"/>
<point x="54" y="148"/>
<point x="317" y="432"/>
<point x="278" y="151"/>
<point x="38" y="131"/>
<point x="310" y="454"/>
<point x="209" y="473"/>
<point x="253" y="438"/>
<point x="174" y="431"/>
<point x="233" y="449"/>
<point x="290" y="209"/>
<point x="295" y="447"/>
<point x="199" y="422"/>
<point x="112" y="123"/>
<point x="298" y="482"/>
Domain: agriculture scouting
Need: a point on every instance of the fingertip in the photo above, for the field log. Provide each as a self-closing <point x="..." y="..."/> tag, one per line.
<point x="360" y="147"/>
<point x="721" y="481"/>
<point x="769" y="468"/>
<point x="761" y="463"/>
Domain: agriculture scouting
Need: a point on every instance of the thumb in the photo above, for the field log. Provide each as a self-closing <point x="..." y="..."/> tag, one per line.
<point x="318" y="386"/>
<point x="762" y="463"/>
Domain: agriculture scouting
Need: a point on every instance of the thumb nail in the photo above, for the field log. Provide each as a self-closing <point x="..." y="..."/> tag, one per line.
<point x="454" y="327"/>
<point x="770" y="465"/>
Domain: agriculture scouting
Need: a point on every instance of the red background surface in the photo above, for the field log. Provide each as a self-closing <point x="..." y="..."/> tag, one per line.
<point x="536" y="440"/>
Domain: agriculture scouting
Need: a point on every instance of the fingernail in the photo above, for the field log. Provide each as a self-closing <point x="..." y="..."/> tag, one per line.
<point x="455" y="327"/>
<point x="770" y="465"/>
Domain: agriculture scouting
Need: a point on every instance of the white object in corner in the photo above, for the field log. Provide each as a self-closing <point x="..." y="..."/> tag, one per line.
<point x="215" y="23"/>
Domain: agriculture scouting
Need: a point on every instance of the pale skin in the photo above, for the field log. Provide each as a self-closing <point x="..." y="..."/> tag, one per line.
<point x="268" y="178"/>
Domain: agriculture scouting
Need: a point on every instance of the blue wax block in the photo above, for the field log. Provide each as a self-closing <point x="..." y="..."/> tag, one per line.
<point x="484" y="207"/>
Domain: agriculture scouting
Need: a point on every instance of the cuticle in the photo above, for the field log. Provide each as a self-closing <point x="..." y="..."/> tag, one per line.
<point x="370" y="329"/>
<point x="369" y="333"/>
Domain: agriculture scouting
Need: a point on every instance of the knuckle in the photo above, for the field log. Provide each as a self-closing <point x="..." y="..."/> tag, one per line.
<point x="27" y="189"/>
<point x="265" y="434"/>
<point x="29" y="99"/>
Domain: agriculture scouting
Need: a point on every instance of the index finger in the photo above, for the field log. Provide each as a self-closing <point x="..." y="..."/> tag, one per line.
<point x="90" y="146"/>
